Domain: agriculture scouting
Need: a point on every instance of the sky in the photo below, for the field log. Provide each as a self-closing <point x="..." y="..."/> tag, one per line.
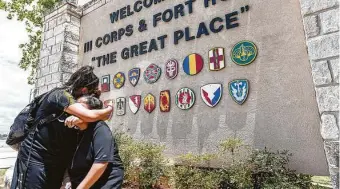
<point x="14" y="90"/>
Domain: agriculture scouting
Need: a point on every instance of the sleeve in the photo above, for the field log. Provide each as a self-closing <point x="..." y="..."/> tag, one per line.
<point x="61" y="99"/>
<point x="102" y="144"/>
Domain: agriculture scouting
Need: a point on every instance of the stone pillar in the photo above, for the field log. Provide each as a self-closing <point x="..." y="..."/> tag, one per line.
<point x="321" y="23"/>
<point x="60" y="45"/>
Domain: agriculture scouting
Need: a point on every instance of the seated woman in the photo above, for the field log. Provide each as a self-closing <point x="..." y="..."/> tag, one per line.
<point x="96" y="162"/>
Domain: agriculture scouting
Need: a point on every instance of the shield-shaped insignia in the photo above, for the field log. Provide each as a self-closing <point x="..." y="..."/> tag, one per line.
<point x="152" y="73"/>
<point x="105" y="104"/>
<point x="119" y="80"/>
<point x="164" y="101"/>
<point x="134" y="75"/>
<point x="244" y="53"/>
<point x="149" y="103"/>
<point x="171" y="68"/>
<point x="134" y="103"/>
<point x="211" y="94"/>
<point x="185" y="98"/>
<point x="238" y="90"/>
<point x="216" y="59"/>
<point x="105" y="86"/>
<point x="121" y="106"/>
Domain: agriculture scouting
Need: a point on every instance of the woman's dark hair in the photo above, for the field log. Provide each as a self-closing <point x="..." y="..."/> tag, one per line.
<point x="83" y="77"/>
<point x="93" y="102"/>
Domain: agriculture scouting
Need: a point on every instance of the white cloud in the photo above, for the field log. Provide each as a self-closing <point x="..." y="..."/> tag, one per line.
<point x="14" y="90"/>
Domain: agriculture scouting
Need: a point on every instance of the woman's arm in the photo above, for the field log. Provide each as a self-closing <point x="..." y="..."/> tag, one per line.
<point x="87" y="115"/>
<point x="93" y="175"/>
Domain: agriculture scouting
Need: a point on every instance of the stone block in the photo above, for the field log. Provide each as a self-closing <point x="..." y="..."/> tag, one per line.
<point x="323" y="46"/>
<point x="321" y="73"/>
<point x="54" y="67"/>
<point x="335" y="69"/>
<point x="45" y="26"/>
<point x="50" y="15"/>
<point x="310" y="6"/>
<point x="328" y="98"/>
<point x="45" y="70"/>
<point x="69" y="58"/>
<point x="71" y="38"/>
<point x="73" y="29"/>
<point x="311" y="26"/>
<point x="54" y="58"/>
<point x="59" y="38"/>
<point x="48" y="34"/>
<point x="51" y="86"/>
<point x="50" y="41"/>
<point x="56" y="48"/>
<point x="70" y="48"/>
<point x="41" y="81"/>
<point x="59" y="29"/>
<point x="75" y="21"/>
<point x="45" y="52"/>
<point x="56" y="77"/>
<point x="62" y="8"/>
<point x="332" y="153"/>
<point x="329" y="128"/>
<point x="43" y="62"/>
<point x="42" y="90"/>
<point x="66" y="76"/>
<point x="51" y="24"/>
<point x="330" y="21"/>
<point x="48" y="79"/>
<point x="63" y="18"/>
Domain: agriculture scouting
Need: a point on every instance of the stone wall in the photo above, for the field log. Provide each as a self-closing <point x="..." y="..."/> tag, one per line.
<point x="321" y="22"/>
<point x="60" y="40"/>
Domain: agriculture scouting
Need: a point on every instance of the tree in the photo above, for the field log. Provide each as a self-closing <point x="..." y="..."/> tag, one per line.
<point x="30" y="12"/>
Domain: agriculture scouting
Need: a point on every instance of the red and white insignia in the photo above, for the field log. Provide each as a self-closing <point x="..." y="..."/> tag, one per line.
<point x="216" y="59"/>
<point x="105" y="85"/>
<point x="134" y="103"/>
<point x="171" y="68"/>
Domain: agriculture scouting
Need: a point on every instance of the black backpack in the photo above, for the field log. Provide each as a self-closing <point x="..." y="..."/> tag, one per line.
<point x="25" y="122"/>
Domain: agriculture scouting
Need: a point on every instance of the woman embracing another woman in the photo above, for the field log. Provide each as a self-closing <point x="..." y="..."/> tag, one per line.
<point x="46" y="153"/>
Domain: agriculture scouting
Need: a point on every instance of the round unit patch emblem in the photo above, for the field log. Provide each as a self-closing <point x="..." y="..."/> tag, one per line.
<point x="119" y="80"/>
<point x="152" y="73"/>
<point x="193" y="64"/>
<point x="185" y="98"/>
<point x="244" y="53"/>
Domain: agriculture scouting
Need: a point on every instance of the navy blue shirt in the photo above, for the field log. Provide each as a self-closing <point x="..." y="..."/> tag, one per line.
<point x="96" y="145"/>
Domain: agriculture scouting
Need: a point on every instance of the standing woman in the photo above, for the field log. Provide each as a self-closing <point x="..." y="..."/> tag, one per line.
<point x="45" y="154"/>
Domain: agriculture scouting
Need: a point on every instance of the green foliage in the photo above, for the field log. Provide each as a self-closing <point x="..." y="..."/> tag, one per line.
<point x="144" y="163"/>
<point x="194" y="172"/>
<point x="145" y="167"/>
<point x="31" y="13"/>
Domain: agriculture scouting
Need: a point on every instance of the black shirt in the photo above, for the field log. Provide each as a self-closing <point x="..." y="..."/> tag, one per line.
<point x="54" y="144"/>
<point x="96" y="145"/>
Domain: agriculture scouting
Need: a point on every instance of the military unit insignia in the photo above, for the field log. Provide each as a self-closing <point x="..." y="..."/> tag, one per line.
<point x="149" y="103"/>
<point x="238" y="90"/>
<point x="193" y="64"/>
<point x="216" y="59"/>
<point x="106" y="102"/>
<point x="185" y="98"/>
<point x="119" y="80"/>
<point x="164" y="101"/>
<point x="211" y="94"/>
<point x="152" y="73"/>
<point x="134" y="103"/>
<point x="171" y="68"/>
<point x="244" y="53"/>
<point x="120" y="106"/>
<point x="134" y="75"/>
<point x="105" y="85"/>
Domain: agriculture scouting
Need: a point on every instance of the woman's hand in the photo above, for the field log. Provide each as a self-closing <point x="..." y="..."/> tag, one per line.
<point x="72" y="121"/>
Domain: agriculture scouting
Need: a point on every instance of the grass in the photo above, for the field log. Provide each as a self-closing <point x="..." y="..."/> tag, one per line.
<point x="323" y="182"/>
